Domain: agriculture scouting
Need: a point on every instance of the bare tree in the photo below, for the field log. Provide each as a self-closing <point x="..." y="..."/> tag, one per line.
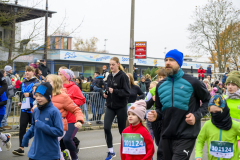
<point x="211" y="31"/>
<point x="88" y="45"/>
<point x="24" y="46"/>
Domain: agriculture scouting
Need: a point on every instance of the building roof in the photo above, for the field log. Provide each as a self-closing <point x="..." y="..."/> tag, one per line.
<point x="29" y="13"/>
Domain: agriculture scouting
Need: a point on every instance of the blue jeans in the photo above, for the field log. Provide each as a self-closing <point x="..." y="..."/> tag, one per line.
<point x="7" y="112"/>
<point x="84" y="106"/>
<point x="1" y="117"/>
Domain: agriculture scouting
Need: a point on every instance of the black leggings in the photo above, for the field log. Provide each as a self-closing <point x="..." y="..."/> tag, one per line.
<point x="108" y="119"/>
<point x="25" y="118"/>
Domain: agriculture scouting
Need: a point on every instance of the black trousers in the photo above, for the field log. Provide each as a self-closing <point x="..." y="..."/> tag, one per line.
<point x="180" y="149"/>
<point x="108" y="120"/>
<point x="25" y="118"/>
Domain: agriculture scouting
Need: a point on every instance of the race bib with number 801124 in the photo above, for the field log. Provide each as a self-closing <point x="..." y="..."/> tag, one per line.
<point x="221" y="149"/>
<point x="133" y="144"/>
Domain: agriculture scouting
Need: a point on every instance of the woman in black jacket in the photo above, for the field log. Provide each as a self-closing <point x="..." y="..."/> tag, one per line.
<point x="117" y="95"/>
<point x="147" y="82"/>
<point x="135" y="91"/>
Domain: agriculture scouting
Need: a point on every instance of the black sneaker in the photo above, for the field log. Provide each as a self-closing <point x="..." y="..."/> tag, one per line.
<point x="19" y="152"/>
<point x="99" y="122"/>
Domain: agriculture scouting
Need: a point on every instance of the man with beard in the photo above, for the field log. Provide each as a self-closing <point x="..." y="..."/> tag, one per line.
<point x="178" y="107"/>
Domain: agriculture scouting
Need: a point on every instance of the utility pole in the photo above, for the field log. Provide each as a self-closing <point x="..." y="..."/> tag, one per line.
<point x="105" y="45"/>
<point x="131" y="38"/>
<point x="46" y="31"/>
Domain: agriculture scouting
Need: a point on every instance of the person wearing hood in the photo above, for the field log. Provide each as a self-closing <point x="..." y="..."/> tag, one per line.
<point x="26" y="103"/>
<point x="209" y="71"/>
<point x="224" y="77"/>
<point x="35" y="63"/>
<point x="233" y="96"/>
<point x="76" y="95"/>
<point x="201" y="72"/>
<point x="43" y="67"/>
<point x="177" y="103"/>
<point x="85" y="85"/>
<point x="220" y="133"/>
<point x="98" y="102"/>
<point x="46" y="126"/>
<point x="10" y="94"/>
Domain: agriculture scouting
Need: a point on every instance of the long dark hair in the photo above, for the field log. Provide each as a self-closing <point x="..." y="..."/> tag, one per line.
<point x="80" y="83"/>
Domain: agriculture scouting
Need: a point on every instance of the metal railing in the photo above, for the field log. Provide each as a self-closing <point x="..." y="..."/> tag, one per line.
<point x="93" y="109"/>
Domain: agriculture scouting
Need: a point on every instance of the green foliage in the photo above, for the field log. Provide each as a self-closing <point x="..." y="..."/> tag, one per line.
<point x="152" y="72"/>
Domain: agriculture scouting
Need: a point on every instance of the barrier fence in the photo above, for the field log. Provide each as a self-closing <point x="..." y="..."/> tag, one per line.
<point x="93" y="109"/>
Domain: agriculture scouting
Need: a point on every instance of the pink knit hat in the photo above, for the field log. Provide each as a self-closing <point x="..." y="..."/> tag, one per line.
<point x="138" y="108"/>
<point x="67" y="73"/>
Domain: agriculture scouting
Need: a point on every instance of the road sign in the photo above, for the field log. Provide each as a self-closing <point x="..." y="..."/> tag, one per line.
<point x="140" y="50"/>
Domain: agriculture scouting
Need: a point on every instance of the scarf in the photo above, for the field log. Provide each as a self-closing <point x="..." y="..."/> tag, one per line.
<point x="41" y="107"/>
<point x="222" y="120"/>
<point x="235" y="95"/>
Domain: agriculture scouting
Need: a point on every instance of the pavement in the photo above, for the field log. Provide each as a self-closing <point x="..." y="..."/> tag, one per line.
<point x="92" y="146"/>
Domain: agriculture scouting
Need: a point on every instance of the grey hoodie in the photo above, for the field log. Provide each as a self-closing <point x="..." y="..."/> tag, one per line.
<point x="10" y="86"/>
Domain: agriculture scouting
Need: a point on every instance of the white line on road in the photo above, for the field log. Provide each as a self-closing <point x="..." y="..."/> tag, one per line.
<point x="98" y="146"/>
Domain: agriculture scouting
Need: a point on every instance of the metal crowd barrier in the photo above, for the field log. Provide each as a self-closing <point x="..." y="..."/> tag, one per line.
<point x="16" y="110"/>
<point x="93" y="109"/>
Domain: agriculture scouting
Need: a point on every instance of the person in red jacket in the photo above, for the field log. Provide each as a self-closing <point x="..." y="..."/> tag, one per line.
<point x="76" y="95"/>
<point x="201" y="72"/>
<point x="136" y="141"/>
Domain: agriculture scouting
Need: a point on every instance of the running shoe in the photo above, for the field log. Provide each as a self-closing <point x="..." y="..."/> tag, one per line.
<point x="8" y="141"/>
<point x="67" y="155"/>
<point x="19" y="152"/>
<point x="110" y="156"/>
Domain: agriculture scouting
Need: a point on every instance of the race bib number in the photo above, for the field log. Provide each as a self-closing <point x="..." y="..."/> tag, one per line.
<point x="221" y="149"/>
<point x="133" y="144"/>
<point x="26" y="103"/>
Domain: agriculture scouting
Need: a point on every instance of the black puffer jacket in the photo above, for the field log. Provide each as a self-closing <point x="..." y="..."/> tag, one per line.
<point x="45" y="70"/>
<point x="121" y="90"/>
<point x="147" y="82"/>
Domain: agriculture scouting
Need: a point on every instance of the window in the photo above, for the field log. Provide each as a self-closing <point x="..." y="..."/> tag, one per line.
<point x="59" y="43"/>
<point x="57" y="66"/>
<point x="1" y="38"/>
<point x="76" y="68"/>
<point x="52" y="42"/>
<point x="65" y="43"/>
<point x="20" y="67"/>
<point x="99" y="69"/>
<point x="88" y="71"/>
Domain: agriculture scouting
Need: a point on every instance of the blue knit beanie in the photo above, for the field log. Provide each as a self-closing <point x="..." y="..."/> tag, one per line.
<point x="176" y="55"/>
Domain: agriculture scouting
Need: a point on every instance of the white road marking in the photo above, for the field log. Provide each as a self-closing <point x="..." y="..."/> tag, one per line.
<point x="98" y="146"/>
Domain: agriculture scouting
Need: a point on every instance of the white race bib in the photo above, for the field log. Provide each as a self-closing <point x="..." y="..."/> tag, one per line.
<point x="221" y="149"/>
<point x="133" y="144"/>
<point x="26" y="103"/>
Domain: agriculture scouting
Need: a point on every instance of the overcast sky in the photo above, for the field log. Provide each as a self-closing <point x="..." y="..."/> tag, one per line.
<point x="162" y="23"/>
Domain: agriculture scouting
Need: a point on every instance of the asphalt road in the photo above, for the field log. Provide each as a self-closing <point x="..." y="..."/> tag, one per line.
<point x="92" y="147"/>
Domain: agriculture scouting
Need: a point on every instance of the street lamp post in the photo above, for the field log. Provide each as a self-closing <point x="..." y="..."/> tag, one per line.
<point x="46" y="31"/>
<point x="105" y="45"/>
<point x="131" y="38"/>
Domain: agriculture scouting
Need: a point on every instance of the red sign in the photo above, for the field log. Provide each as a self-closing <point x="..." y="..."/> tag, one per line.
<point x="140" y="50"/>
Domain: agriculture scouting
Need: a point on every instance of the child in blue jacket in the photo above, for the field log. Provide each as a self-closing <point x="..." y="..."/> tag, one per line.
<point x="46" y="127"/>
<point x="4" y="137"/>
